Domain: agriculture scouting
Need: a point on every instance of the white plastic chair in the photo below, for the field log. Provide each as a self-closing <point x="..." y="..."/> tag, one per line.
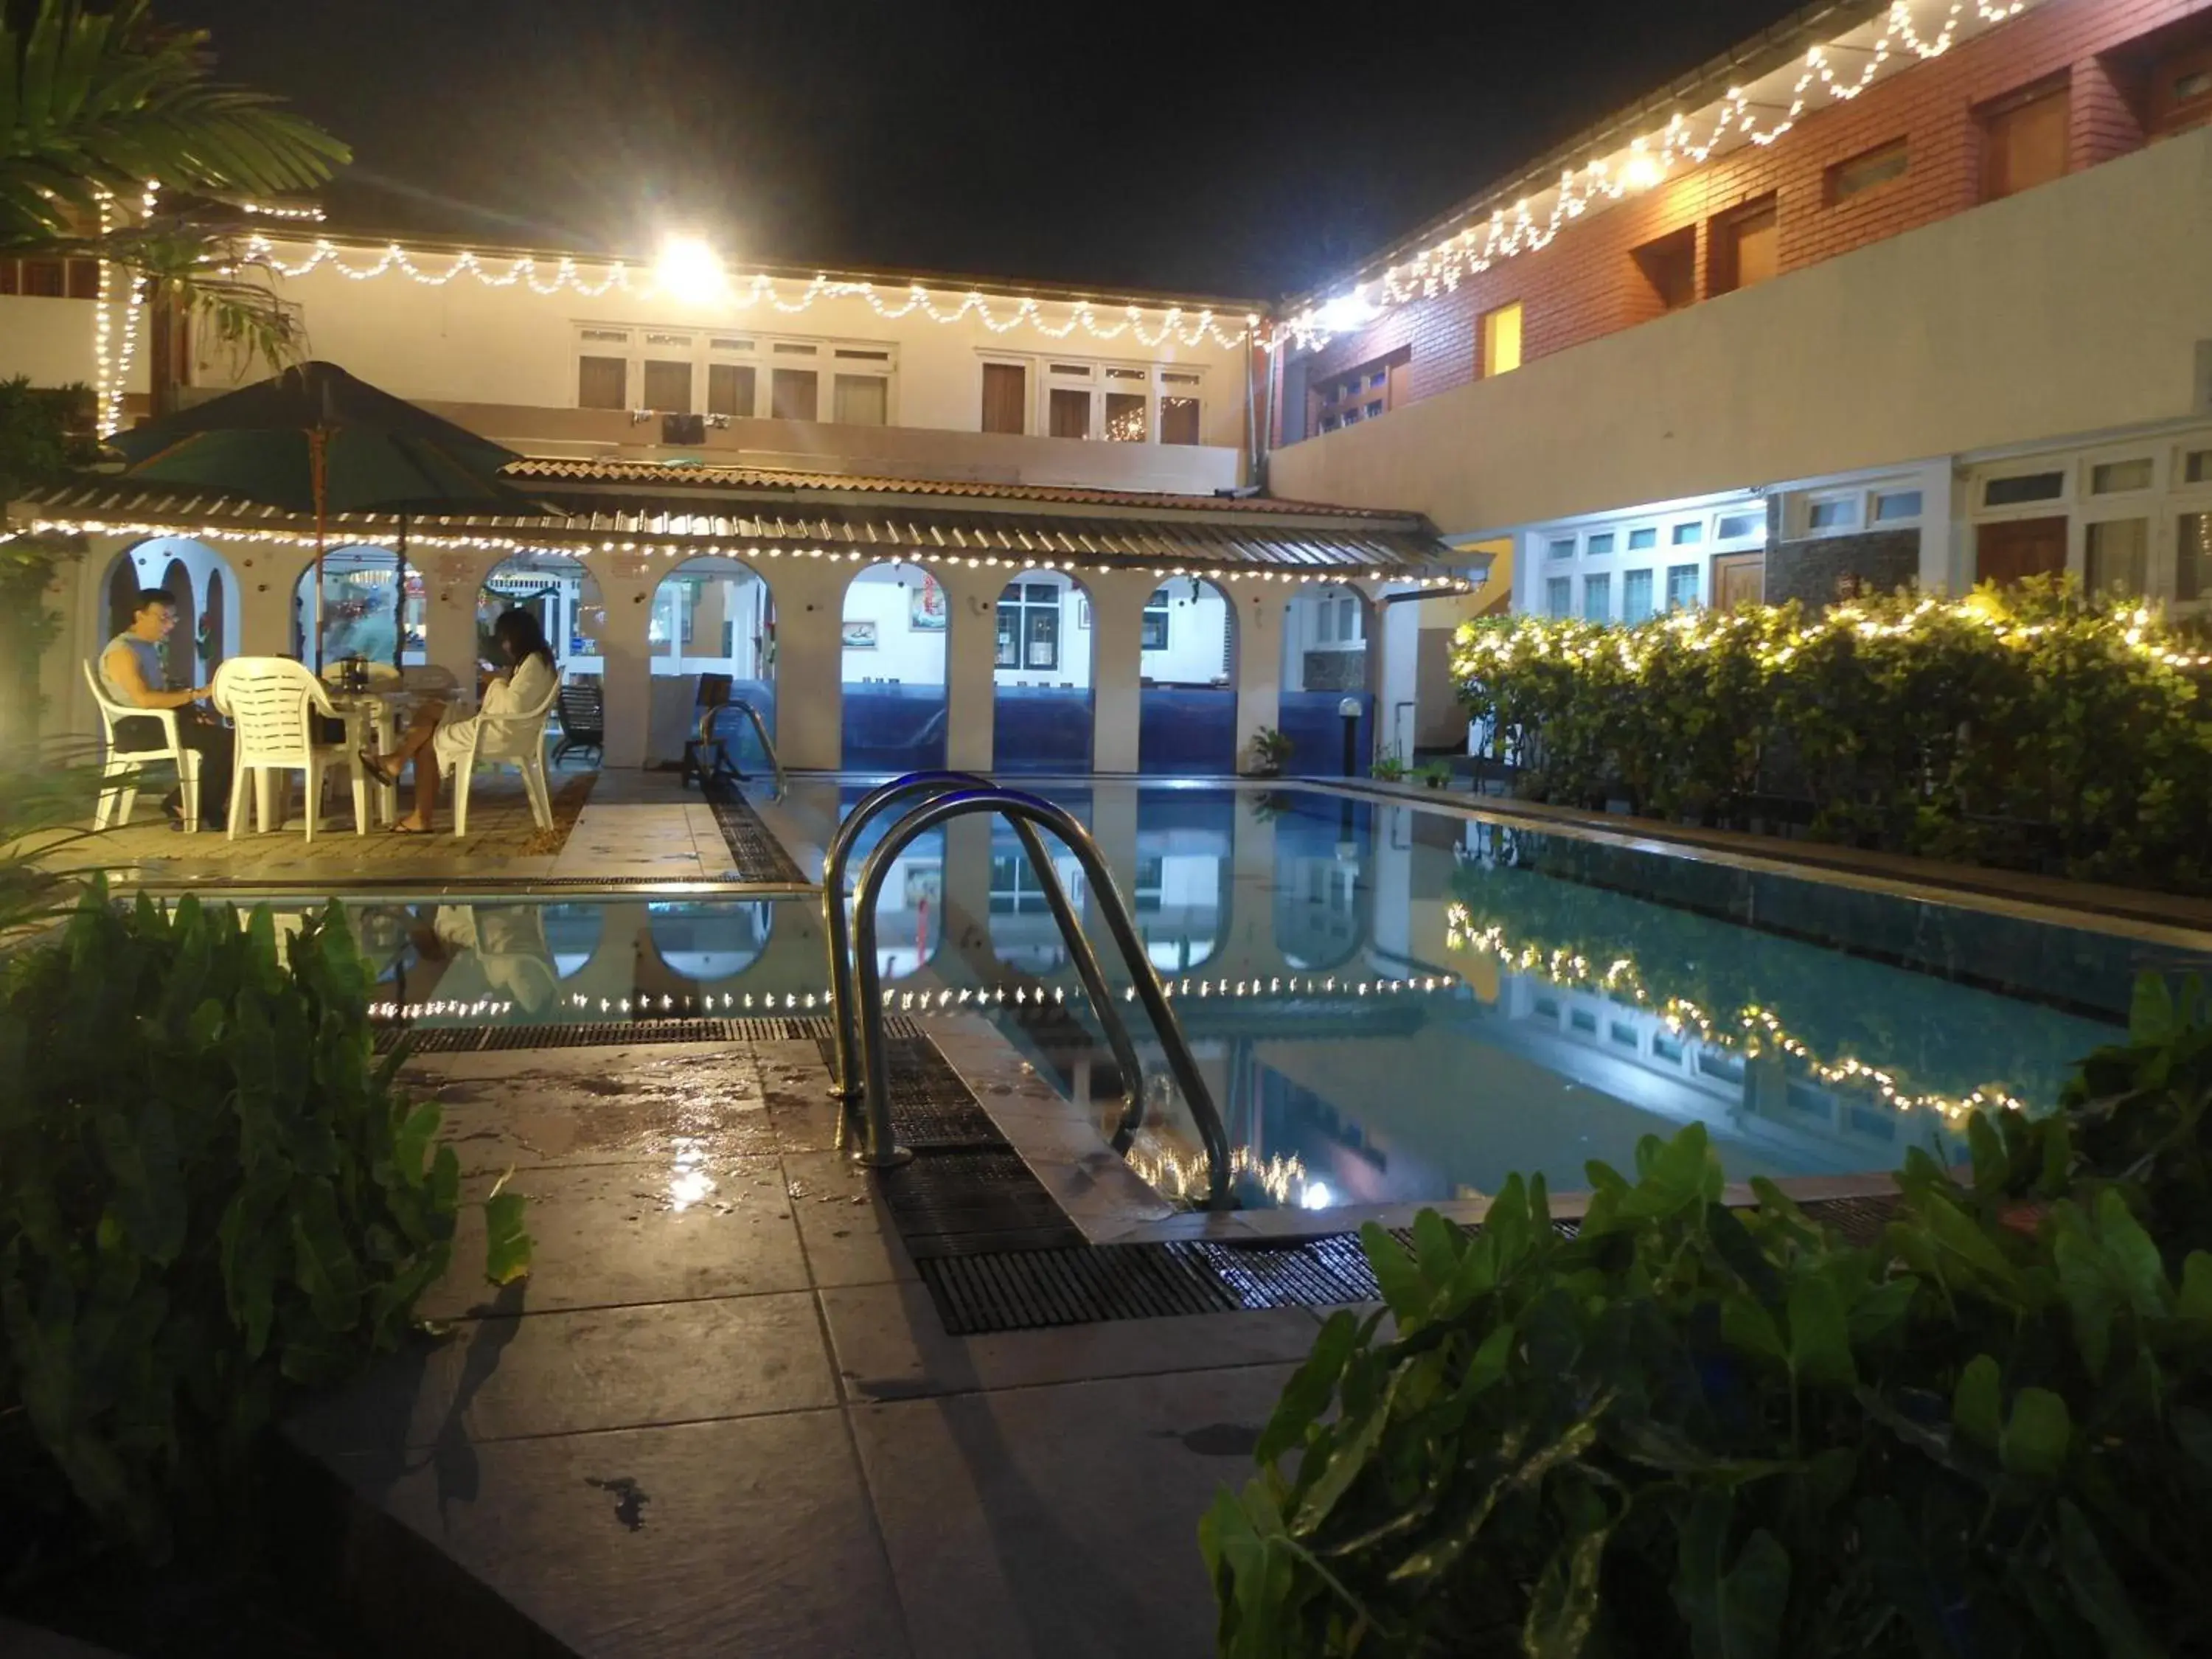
<point x="274" y="701"/>
<point x="516" y="739"/>
<point x="119" y="775"/>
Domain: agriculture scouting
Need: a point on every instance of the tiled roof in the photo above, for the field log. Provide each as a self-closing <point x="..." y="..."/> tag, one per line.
<point x="751" y="478"/>
<point x="678" y="524"/>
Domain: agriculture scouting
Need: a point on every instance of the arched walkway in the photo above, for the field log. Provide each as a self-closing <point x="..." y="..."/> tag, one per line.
<point x="1187" y="703"/>
<point x="364" y="613"/>
<point x="709" y="943"/>
<point x="184" y="648"/>
<point x="1324" y="898"/>
<point x="714" y="614"/>
<point x="1041" y="675"/>
<point x="1185" y="863"/>
<point x="185" y="570"/>
<point x="566" y="599"/>
<point x="910" y="913"/>
<point x="897" y="622"/>
<point x="215" y="639"/>
<point x="1326" y="660"/>
<point x="572" y="933"/>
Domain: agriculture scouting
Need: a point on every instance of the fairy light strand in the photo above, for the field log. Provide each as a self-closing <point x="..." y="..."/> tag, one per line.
<point x="1641" y="165"/>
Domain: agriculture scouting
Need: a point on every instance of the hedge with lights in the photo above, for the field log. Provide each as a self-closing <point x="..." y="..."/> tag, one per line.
<point x="2028" y="727"/>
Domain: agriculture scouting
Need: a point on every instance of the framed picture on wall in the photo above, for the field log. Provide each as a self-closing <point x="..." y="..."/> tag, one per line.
<point x="926" y="608"/>
<point x="859" y="635"/>
<point x="1082" y="611"/>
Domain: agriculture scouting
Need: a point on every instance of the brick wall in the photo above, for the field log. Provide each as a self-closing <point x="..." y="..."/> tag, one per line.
<point x="1586" y="282"/>
<point x="1820" y="571"/>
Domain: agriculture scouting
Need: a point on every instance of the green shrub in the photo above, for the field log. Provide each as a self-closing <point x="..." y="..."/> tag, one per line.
<point x="1689" y="1431"/>
<point x="211" y="1196"/>
<point x="2027" y="726"/>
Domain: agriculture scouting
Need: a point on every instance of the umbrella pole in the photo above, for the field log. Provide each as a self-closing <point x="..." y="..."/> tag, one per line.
<point x="316" y="483"/>
<point x="399" y="619"/>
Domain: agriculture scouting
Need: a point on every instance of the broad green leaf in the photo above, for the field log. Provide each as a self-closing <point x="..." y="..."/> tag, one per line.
<point x="2195" y="1301"/>
<point x="323" y="1261"/>
<point x="1733" y="1604"/>
<point x="2036" y="1439"/>
<point x="1881" y="1309"/>
<point x="506" y="1246"/>
<point x="1403" y="1288"/>
<point x="2099" y="1595"/>
<point x="1311" y="1389"/>
<point x="2081" y="1282"/>
<point x="2150" y="1012"/>
<point x="1749" y="1328"/>
<point x="1978" y="1405"/>
<point x="1437" y="1247"/>
<point x="1563" y="1613"/>
<point x="1820" y="1341"/>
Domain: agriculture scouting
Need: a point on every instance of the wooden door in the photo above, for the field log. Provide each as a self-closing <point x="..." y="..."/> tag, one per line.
<point x="1739" y="580"/>
<point x="2005" y="553"/>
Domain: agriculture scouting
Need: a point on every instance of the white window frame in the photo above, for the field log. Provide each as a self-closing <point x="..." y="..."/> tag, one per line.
<point x="1880" y="493"/>
<point x="2160" y="576"/>
<point x="1095" y="378"/>
<point x="823" y="353"/>
<point x="1981" y="477"/>
<point x="1859" y="500"/>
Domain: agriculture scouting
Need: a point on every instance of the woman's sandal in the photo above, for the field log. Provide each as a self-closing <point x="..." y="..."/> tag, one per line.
<point x="370" y="765"/>
<point x="401" y="826"/>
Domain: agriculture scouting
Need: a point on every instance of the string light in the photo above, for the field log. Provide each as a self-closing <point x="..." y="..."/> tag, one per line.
<point x="1621" y="978"/>
<point x="1178" y="325"/>
<point x="1532" y="223"/>
<point x="114" y="350"/>
<point x="519" y="547"/>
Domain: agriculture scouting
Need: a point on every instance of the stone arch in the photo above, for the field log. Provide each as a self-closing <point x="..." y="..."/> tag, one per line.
<point x="716" y="614"/>
<point x="364" y="612"/>
<point x="1328" y="656"/>
<point x="1187" y="669"/>
<point x="186" y="568"/>
<point x="1042" y="679"/>
<point x="214" y="631"/>
<point x="570" y="604"/>
<point x="708" y="943"/>
<point x="895" y="653"/>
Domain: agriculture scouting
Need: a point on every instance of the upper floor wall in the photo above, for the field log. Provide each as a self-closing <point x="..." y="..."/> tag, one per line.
<point x="2066" y="86"/>
<point x="1006" y="390"/>
<point x="2081" y="306"/>
<point x="789" y="373"/>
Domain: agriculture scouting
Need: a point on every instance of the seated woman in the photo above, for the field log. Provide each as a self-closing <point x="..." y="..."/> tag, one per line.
<point x="436" y="740"/>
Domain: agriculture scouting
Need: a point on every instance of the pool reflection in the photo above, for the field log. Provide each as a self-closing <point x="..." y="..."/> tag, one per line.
<point x="1387" y="1004"/>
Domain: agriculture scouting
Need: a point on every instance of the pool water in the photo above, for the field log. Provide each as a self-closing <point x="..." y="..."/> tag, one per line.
<point x="1388" y="1003"/>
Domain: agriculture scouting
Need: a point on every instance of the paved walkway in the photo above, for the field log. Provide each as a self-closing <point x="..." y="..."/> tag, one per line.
<point x="722" y="1416"/>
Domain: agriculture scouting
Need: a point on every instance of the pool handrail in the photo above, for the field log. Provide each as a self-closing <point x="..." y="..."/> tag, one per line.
<point x="880" y="1147"/>
<point x="845" y="1084"/>
<point x="767" y="743"/>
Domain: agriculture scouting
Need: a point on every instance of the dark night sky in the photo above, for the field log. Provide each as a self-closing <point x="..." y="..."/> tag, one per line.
<point x="1227" y="150"/>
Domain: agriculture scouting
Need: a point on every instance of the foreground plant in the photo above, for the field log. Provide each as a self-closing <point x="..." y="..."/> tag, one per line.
<point x="1689" y="1431"/>
<point x="212" y="1197"/>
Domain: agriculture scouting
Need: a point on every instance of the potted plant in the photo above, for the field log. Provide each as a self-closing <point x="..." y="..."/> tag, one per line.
<point x="1436" y="774"/>
<point x="1270" y="750"/>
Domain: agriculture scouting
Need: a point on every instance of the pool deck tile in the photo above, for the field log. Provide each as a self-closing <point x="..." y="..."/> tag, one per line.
<point x="727" y="1418"/>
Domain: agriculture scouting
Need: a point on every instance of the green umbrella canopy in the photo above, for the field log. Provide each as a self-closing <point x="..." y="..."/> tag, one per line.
<point x="380" y="453"/>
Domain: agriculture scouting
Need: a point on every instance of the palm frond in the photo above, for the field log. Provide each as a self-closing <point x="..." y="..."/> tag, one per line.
<point x="94" y="101"/>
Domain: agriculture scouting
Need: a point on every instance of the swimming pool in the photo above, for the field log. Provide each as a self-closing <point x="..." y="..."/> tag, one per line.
<point x="1389" y="1004"/>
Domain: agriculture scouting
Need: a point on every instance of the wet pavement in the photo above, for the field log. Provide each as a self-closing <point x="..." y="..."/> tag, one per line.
<point x="722" y="1416"/>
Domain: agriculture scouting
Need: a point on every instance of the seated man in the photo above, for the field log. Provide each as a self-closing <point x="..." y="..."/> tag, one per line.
<point x="131" y="672"/>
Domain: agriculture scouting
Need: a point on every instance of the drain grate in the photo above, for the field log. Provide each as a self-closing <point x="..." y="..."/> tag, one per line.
<point x="470" y="1039"/>
<point x="756" y="854"/>
<point x="972" y="1201"/>
<point x="932" y="1109"/>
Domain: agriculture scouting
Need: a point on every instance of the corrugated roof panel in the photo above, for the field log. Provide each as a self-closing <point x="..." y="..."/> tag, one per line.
<point x="1034" y="540"/>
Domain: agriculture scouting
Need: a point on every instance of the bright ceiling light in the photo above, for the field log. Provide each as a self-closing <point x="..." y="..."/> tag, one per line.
<point x="1644" y="170"/>
<point x="1343" y="314"/>
<point x="689" y="269"/>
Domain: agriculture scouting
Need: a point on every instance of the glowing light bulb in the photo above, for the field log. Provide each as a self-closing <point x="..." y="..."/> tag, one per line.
<point x="1643" y="170"/>
<point x="690" y="271"/>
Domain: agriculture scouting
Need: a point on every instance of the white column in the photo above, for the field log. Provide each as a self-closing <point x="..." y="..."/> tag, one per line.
<point x="1260" y="606"/>
<point x="626" y="585"/>
<point x="1117" y="632"/>
<point x="970" y="646"/>
<point x="1947" y="564"/>
<point x="1397" y="676"/>
<point x="810" y="612"/>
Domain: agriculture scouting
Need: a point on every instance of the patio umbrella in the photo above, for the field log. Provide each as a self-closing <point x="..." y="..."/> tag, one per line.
<point x="314" y="439"/>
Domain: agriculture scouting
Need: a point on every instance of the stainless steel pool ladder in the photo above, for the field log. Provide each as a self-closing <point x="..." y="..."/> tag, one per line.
<point x="767" y="743"/>
<point x="856" y="1011"/>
